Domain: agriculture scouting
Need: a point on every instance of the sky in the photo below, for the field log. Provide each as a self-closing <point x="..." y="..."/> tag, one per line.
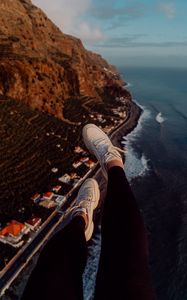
<point x="126" y="32"/>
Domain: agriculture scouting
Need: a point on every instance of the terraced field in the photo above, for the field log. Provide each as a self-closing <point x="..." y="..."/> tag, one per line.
<point x="31" y="145"/>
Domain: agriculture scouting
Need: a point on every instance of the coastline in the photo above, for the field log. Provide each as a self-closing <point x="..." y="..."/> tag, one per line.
<point x="126" y="126"/>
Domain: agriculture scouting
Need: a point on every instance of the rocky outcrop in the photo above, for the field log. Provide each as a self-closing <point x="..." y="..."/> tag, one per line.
<point x="43" y="67"/>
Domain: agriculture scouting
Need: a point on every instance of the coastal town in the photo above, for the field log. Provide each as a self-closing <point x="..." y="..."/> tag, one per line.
<point x="50" y="87"/>
<point x="16" y="233"/>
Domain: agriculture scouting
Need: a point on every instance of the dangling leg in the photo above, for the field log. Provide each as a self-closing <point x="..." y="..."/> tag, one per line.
<point x="123" y="270"/>
<point x="58" y="273"/>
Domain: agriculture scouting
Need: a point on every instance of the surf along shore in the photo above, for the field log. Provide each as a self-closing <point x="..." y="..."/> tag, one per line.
<point x="122" y="129"/>
<point x="128" y="125"/>
<point x="116" y="135"/>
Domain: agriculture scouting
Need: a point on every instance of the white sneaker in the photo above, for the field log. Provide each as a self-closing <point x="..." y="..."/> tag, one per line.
<point x="100" y="145"/>
<point x="87" y="200"/>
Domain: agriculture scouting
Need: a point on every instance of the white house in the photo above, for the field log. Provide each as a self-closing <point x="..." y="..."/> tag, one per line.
<point x="65" y="178"/>
<point x="77" y="164"/>
<point x="33" y="223"/>
<point x="13" y="232"/>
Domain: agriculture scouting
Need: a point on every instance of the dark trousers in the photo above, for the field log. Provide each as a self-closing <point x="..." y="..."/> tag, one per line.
<point x="123" y="269"/>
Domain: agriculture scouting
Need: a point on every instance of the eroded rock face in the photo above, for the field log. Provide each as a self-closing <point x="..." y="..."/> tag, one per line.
<point x="44" y="67"/>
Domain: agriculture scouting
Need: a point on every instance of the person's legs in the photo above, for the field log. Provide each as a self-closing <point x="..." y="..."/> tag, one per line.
<point x="123" y="270"/>
<point x="58" y="273"/>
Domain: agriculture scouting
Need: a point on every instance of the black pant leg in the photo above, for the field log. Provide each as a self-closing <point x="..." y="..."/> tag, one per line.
<point x="58" y="273"/>
<point x="123" y="270"/>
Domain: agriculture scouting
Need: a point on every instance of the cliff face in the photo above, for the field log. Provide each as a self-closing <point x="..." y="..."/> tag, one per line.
<point x="43" y="67"/>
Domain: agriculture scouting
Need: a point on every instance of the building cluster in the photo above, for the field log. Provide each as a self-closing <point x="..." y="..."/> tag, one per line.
<point x="49" y="199"/>
<point x="107" y="129"/>
<point x="52" y="199"/>
<point x="119" y="112"/>
<point x="98" y="117"/>
<point x="70" y="179"/>
<point x="14" y="232"/>
<point x="83" y="159"/>
<point x="73" y="178"/>
<point x="115" y="75"/>
<point x="122" y="100"/>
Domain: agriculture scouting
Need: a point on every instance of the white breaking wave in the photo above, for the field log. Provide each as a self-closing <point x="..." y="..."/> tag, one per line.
<point x="145" y="164"/>
<point x="146" y="115"/>
<point x="136" y="165"/>
<point x="159" y="118"/>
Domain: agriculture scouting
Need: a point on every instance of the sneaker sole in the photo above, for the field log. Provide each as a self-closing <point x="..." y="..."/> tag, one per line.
<point x="90" y="228"/>
<point x="97" y="192"/>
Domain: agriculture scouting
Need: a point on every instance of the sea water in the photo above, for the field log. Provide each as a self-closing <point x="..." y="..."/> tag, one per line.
<point x="156" y="166"/>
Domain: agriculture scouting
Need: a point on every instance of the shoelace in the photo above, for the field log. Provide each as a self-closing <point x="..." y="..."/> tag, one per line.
<point x="114" y="151"/>
<point x="101" y="142"/>
<point x="83" y="201"/>
<point x="86" y="200"/>
<point x="118" y="149"/>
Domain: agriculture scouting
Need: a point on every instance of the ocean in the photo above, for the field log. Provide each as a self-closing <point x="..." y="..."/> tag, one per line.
<point x="156" y="166"/>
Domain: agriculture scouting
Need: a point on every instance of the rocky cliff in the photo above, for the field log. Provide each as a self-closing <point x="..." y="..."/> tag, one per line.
<point x="44" y="67"/>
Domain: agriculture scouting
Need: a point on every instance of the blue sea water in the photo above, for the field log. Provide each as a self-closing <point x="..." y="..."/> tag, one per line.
<point x="157" y="167"/>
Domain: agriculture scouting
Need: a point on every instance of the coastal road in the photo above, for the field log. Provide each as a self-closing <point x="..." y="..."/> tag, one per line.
<point x="59" y="217"/>
<point x="6" y="278"/>
<point x="26" y="254"/>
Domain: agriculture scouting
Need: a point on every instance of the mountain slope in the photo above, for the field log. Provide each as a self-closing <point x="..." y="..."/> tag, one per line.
<point x="43" y="67"/>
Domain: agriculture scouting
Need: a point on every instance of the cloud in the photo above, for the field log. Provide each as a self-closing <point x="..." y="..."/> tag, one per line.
<point x="168" y="9"/>
<point x="68" y="15"/>
<point x="132" y="41"/>
<point x="123" y="41"/>
<point x="115" y="16"/>
<point x="110" y="12"/>
<point x="89" y="34"/>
